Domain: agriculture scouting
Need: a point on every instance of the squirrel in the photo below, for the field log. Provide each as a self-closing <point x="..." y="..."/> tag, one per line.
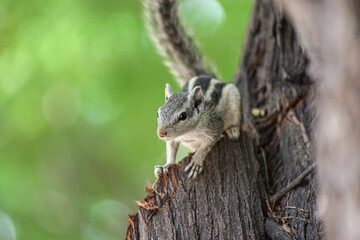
<point x="205" y="108"/>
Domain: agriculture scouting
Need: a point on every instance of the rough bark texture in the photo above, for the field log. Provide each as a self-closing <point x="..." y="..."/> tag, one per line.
<point x="273" y="77"/>
<point x="332" y="28"/>
<point x="224" y="203"/>
<point x="228" y="200"/>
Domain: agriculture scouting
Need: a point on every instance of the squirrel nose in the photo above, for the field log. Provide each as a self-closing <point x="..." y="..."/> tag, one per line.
<point x="162" y="134"/>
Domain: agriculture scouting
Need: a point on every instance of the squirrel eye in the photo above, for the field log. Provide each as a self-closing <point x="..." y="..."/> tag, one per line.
<point x="182" y="116"/>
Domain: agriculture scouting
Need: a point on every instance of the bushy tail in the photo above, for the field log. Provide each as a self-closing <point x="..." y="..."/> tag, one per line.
<point x="171" y="41"/>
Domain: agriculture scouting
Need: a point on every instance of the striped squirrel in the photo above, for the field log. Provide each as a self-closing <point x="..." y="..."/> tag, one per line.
<point x="204" y="108"/>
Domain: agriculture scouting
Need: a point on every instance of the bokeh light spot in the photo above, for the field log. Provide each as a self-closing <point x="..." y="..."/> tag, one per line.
<point x="61" y="106"/>
<point x="55" y="213"/>
<point x="15" y="70"/>
<point x="7" y="228"/>
<point x="203" y="16"/>
<point x="97" y="105"/>
<point x="26" y="115"/>
<point x="108" y="219"/>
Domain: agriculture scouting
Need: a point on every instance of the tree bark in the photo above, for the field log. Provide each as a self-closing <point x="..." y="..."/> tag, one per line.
<point x="224" y="203"/>
<point x="274" y="78"/>
<point x="331" y="28"/>
<point x="229" y="200"/>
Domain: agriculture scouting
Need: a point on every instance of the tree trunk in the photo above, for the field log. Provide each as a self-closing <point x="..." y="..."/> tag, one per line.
<point x="224" y="203"/>
<point x="230" y="199"/>
<point x="329" y="31"/>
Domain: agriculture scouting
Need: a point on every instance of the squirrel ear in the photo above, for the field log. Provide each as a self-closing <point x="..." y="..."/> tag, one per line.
<point x="168" y="92"/>
<point x="196" y="97"/>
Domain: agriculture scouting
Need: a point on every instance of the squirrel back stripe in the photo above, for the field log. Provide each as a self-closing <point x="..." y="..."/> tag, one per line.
<point x="171" y="41"/>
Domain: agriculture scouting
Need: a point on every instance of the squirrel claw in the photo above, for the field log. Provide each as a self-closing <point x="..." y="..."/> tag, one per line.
<point x="233" y="133"/>
<point x="161" y="169"/>
<point x="195" y="167"/>
<point x="158" y="170"/>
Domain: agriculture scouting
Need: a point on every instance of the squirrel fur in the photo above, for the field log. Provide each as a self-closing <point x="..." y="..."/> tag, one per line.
<point x="205" y="108"/>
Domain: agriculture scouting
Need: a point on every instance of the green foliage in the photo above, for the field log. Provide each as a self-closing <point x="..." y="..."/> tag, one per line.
<point x="80" y="84"/>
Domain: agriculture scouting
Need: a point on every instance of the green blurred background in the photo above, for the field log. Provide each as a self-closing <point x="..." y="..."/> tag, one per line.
<point x="80" y="84"/>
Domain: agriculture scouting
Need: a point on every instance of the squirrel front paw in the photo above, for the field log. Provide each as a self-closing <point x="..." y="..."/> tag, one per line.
<point x="162" y="169"/>
<point x="195" y="167"/>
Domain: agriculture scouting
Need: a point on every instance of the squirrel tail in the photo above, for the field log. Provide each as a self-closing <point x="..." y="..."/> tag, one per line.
<point x="172" y="42"/>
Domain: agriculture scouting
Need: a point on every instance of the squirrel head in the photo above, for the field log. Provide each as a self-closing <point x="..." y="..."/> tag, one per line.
<point x="180" y="113"/>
